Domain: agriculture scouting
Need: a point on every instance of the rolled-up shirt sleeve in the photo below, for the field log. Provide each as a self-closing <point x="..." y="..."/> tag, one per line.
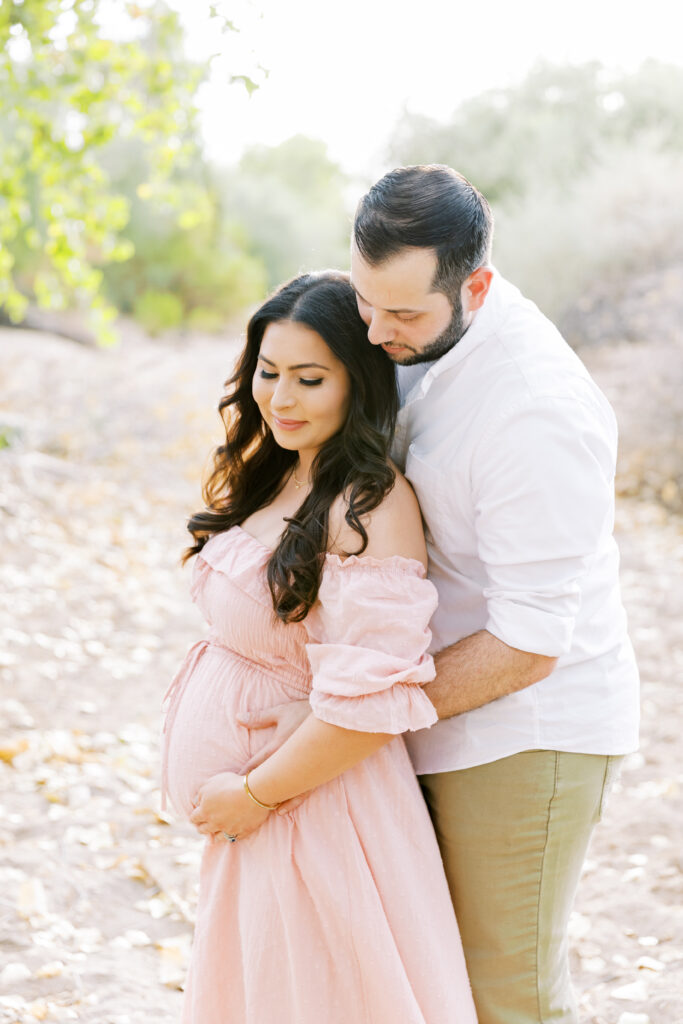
<point x="543" y="485"/>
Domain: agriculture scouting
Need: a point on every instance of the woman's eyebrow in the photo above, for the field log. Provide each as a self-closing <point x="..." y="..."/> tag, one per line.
<point x="297" y="366"/>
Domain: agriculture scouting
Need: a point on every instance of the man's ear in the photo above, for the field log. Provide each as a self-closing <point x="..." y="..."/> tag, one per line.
<point x="476" y="288"/>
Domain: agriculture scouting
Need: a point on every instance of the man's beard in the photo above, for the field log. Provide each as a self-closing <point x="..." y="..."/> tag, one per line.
<point x="444" y="343"/>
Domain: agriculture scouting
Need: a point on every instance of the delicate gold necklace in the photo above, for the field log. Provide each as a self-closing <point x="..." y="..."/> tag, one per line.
<point x="297" y="483"/>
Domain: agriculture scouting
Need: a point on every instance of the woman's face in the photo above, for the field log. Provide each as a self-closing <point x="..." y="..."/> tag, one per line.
<point x="302" y="390"/>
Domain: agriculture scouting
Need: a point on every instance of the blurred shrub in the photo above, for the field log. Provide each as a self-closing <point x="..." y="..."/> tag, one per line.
<point x="197" y="253"/>
<point x="241" y="231"/>
<point x="106" y="203"/>
<point x="68" y="88"/>
<point x="291" y="202"/>
<point x="504" y="139"/>
<point x="584" y="170"/>
<point x="204" y="320"/>
<point x="158" y="311"/>
<point x="621" y="216"/>
<point x="549" y="127"/>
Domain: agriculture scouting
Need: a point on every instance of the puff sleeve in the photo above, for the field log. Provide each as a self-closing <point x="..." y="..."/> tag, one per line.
<point x="369" y="635"/>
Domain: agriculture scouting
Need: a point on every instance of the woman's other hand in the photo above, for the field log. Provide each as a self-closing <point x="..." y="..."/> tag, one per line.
<point x="284" y="718"/>
<point x="222" y="806"/>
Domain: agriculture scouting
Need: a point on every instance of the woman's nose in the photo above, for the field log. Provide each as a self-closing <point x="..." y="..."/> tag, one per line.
<point x="282" y="396"/>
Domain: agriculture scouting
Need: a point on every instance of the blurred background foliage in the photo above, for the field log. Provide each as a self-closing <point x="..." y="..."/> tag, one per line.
<point x="69" y="90"/>
<point x="109" y="205"/>
<point x="291" y="200"/>
<point x="583" y="168"/>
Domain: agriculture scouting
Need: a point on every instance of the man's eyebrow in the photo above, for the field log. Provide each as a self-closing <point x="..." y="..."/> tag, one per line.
<point x="406" y="310"/>
<point x="297" y="366"/>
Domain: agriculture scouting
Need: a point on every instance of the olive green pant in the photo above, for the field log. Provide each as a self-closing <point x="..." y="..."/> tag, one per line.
<point x="513" y="836"/>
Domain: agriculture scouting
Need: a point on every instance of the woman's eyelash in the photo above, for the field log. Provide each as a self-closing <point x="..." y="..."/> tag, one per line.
<point x="309" y="382"/>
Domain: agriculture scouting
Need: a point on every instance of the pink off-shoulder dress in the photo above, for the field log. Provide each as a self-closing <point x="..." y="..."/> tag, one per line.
<point x="338" y="912"/>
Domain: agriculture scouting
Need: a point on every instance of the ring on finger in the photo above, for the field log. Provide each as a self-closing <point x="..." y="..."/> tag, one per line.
<point x="230" y="838"/>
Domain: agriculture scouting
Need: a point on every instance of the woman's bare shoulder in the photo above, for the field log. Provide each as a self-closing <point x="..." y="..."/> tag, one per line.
<point x="393" y="528"/>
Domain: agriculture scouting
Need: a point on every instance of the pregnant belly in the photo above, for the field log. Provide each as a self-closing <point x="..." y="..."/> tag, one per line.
<point x="201" y="734"/>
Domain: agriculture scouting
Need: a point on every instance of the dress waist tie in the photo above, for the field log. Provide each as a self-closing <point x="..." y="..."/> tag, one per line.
<point x="173" y="696"/>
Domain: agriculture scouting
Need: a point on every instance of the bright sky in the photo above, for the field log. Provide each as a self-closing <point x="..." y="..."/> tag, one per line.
<point x="344" y="72"/>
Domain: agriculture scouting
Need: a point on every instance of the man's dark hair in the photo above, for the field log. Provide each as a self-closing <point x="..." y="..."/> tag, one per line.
<point x="428" y="207"/>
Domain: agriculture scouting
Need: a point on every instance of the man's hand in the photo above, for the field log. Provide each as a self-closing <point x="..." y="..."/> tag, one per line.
<point x="284" y="718"/>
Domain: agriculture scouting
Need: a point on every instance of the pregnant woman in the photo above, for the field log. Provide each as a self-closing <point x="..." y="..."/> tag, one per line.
<point x="310" y="571"/>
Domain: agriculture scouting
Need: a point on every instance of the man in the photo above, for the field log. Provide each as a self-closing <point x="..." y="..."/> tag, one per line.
<point x="511" y="448"/>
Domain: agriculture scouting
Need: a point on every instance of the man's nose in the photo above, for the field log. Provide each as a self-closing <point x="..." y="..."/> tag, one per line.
<point x="380" y="329"/>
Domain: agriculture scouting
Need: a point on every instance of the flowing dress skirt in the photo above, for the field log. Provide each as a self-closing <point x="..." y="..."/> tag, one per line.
<point x="338" y="912"/>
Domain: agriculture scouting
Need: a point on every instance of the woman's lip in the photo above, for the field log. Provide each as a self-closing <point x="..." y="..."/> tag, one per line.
<point x="288" y="424"/>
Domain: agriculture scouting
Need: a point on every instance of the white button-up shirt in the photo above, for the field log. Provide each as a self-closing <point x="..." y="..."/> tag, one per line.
<point x="511" y="449"/>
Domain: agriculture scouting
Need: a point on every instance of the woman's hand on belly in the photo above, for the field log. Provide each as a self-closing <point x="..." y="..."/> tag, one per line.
<point x="222" y="806"/>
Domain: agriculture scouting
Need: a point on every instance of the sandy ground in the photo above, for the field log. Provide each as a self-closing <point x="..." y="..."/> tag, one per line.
<point x="101" y="465"/>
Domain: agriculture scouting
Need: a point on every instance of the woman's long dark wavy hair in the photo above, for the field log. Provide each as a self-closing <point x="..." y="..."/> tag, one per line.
<point x="251" y="468"/>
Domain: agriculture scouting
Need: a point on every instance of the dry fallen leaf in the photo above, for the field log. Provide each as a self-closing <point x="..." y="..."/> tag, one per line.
<point x="13" y="1002"/>
<point x="10" y="750"/>
<point x="39" y="1009"/>
<point x="14" y="973"/>
<point x="53" y="969"/>
<point x="649" y="964"/>
<point x="635" y="992"/>
<point x="593" y="964"/>
<point x="174" y="958"/>
<point x="137" y="938"/>
<point x="32" y="901"/>
<point x="579" y="925"/>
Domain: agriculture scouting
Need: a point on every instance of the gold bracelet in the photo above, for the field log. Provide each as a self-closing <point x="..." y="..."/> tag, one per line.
<point x="266" y="807"/>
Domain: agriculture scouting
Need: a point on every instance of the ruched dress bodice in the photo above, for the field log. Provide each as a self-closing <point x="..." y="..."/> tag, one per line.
<point x="338" y="911"/>
<point x="360" y="656"/>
